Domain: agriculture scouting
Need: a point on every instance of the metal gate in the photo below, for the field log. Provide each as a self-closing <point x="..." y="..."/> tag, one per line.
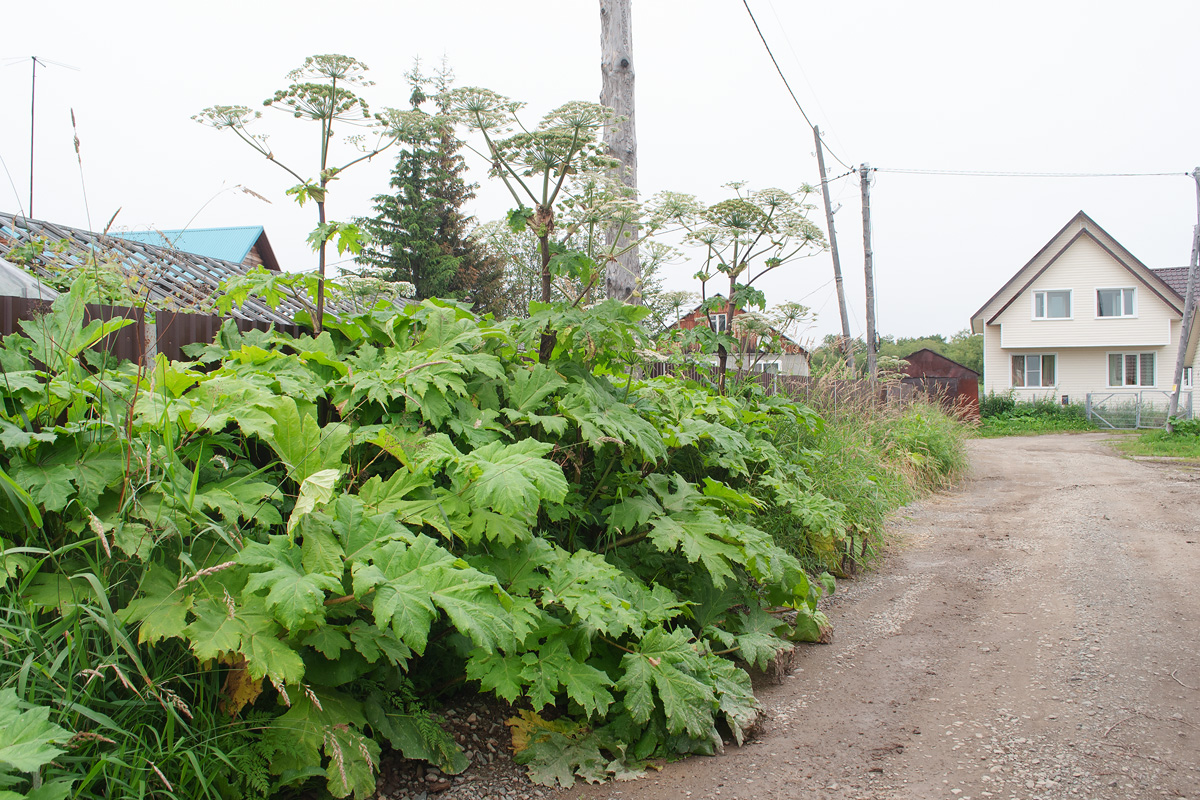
<point x="1129" y="410"/>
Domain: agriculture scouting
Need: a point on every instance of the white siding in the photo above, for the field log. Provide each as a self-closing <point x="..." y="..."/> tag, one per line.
<point x="1083" y="268"/>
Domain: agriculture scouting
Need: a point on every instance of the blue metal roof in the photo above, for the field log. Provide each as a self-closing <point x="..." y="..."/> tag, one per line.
<point x="226" y="244"/>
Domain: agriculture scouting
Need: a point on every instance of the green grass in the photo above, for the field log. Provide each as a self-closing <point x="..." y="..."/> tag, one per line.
<point x="1161" y="444"/>
<point x="868" y="462"/>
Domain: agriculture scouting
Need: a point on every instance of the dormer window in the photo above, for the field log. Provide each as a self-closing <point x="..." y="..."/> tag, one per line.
<point x="1115" y="303"/>
<point x="1052" y="304"/>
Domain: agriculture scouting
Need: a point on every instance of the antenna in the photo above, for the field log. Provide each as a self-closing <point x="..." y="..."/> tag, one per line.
<point x="33" y="109"/>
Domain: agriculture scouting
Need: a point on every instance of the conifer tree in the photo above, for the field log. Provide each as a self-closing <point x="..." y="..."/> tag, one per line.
<point x="419" y="233"/>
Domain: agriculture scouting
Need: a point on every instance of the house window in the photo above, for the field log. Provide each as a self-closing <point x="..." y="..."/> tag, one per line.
<point x="1187" y="377"/>
<point x="1033" y="370"/>
<point x="1114" y="303"/>
<point x="718" y="322"/>
<point x="1052" y="304"/>
<point x="1131" y="369"/>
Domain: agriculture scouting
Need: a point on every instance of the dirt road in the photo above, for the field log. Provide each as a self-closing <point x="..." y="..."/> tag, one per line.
<point x="1035" y="634"/>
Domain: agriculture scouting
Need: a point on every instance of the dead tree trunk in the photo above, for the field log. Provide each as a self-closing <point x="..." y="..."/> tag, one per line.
<point x="616" y="69"/>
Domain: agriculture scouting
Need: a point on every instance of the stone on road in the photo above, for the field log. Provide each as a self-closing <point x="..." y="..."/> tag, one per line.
<point x="1034" y="634"/>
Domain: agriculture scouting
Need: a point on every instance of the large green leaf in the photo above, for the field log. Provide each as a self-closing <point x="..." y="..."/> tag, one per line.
<point x="412" y="582"/>
<point x="303" y="446"/>
<point x="511" y="478"/>
<point x="667" y="664"/>
<point x="27" y="737"/>
<point x="295" y="596"/>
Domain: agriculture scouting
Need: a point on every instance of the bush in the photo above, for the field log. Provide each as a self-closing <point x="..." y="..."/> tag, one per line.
<point x="1005" y="416"/>
<point x="236" y="575"/>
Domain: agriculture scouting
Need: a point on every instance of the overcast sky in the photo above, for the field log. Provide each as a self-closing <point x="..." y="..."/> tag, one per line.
<point x="1047" y="86"/>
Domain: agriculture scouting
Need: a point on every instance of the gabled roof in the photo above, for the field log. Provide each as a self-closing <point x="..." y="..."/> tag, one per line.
<point x="169" y="279"/>
<point x="225" y="244"/>
<point x="1083" y="226"/>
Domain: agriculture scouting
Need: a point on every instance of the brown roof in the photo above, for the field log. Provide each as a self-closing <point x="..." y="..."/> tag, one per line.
<point x="1175" y="277"/>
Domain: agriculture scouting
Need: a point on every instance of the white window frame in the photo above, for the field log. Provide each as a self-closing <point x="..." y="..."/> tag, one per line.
<point x="1187" y="377"/>
<point x="1025" y="372"/>
<point x="719" y="322"/>
<point x="1122" y="315"/>
<point x="1033" y="304"/>
<point x="1139" y="355"/>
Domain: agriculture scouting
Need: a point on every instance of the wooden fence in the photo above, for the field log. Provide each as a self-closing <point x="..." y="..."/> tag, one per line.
<point x="139" y="342"/>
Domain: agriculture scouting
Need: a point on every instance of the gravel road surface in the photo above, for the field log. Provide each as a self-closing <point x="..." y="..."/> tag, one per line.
<point x="1034" y="634"/>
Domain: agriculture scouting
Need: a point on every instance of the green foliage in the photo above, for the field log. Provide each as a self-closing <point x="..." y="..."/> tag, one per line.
<point x="1004" y="415"/>
<point x="295" y="538"/>
<point x="28" y="742"/>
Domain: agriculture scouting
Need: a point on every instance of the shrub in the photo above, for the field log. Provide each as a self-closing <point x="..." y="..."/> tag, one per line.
<point x="261" y="567"/>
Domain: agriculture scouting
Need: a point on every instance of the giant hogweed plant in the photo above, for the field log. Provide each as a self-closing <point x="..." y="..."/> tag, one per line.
<point x="328" y="527"/>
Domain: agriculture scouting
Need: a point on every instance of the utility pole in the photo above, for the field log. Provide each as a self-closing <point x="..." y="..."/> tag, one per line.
<point x="1189" y="310"/>
<point x="616" y="69"/>
<point x="32" y="109"/>
<point x="847" y="342"/>
<point x="864" y="173"/>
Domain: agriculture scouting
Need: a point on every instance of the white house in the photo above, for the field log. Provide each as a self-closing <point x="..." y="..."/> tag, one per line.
<point x="1084" y="316"/>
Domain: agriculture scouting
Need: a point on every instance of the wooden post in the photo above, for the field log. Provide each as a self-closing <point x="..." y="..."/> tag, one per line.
<point x="847" y="342"/>
<point x="616" y="69"/>
<point x="1189" y="311"/>
<point x="864" y="173"/>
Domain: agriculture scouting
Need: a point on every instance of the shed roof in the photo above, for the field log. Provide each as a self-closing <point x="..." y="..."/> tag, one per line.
<point x="16" y="282"/>
<point x="926" y="354"/>
<point x="170" y="279"/>
<point x="225" y="244"/>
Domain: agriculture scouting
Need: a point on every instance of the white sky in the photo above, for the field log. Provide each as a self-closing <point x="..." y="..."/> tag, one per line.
<point x="1047" y="86"/>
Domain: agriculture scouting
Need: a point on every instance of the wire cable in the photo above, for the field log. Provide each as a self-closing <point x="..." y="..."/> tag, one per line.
<point x="785" y="81"/>
<point x="999" y="174"/>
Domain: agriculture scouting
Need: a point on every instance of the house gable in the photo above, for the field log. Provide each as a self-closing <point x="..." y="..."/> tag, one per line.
<point x="1082" y="267"/>
<point x="1080" y="226"/>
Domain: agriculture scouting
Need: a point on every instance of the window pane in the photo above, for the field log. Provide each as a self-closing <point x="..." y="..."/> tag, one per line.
<point x="1115" y="362"/>
<point x="1128" y="306"/>
<point x="1047" y="370"/>
<point x="1147" y="370"/>
<point x="1058" y="304"/>
<point x="1018" y="370"/>
<point x="1039" y="305"/>
<point x="1107" y="301"/>
<point x="1033" y="371"/>
<point x="1131" y="371"/>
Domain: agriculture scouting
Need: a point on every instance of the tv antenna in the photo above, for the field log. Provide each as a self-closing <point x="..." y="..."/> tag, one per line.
<point x="35" y="60"/>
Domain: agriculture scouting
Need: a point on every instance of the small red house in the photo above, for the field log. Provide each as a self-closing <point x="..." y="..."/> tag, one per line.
<point x="947" y="381"/>
<point x="793" y="360"/>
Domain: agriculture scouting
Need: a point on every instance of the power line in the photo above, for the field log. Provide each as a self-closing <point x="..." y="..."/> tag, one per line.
<point x="785" y="80"/>
<point x="999" y="174"/>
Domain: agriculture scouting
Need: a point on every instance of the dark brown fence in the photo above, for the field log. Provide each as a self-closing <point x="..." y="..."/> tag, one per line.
<point x="175" y="330"/>
<point x="172" y="330"/>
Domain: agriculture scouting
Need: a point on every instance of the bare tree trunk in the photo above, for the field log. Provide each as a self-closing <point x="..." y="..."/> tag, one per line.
<point x="616" y="69"/>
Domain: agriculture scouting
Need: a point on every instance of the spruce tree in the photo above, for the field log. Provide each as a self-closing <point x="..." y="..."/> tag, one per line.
<point x="419" y="233"/>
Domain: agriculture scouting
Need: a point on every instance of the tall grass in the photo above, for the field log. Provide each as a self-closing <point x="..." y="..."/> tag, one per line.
<point x="869" y="459"/>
